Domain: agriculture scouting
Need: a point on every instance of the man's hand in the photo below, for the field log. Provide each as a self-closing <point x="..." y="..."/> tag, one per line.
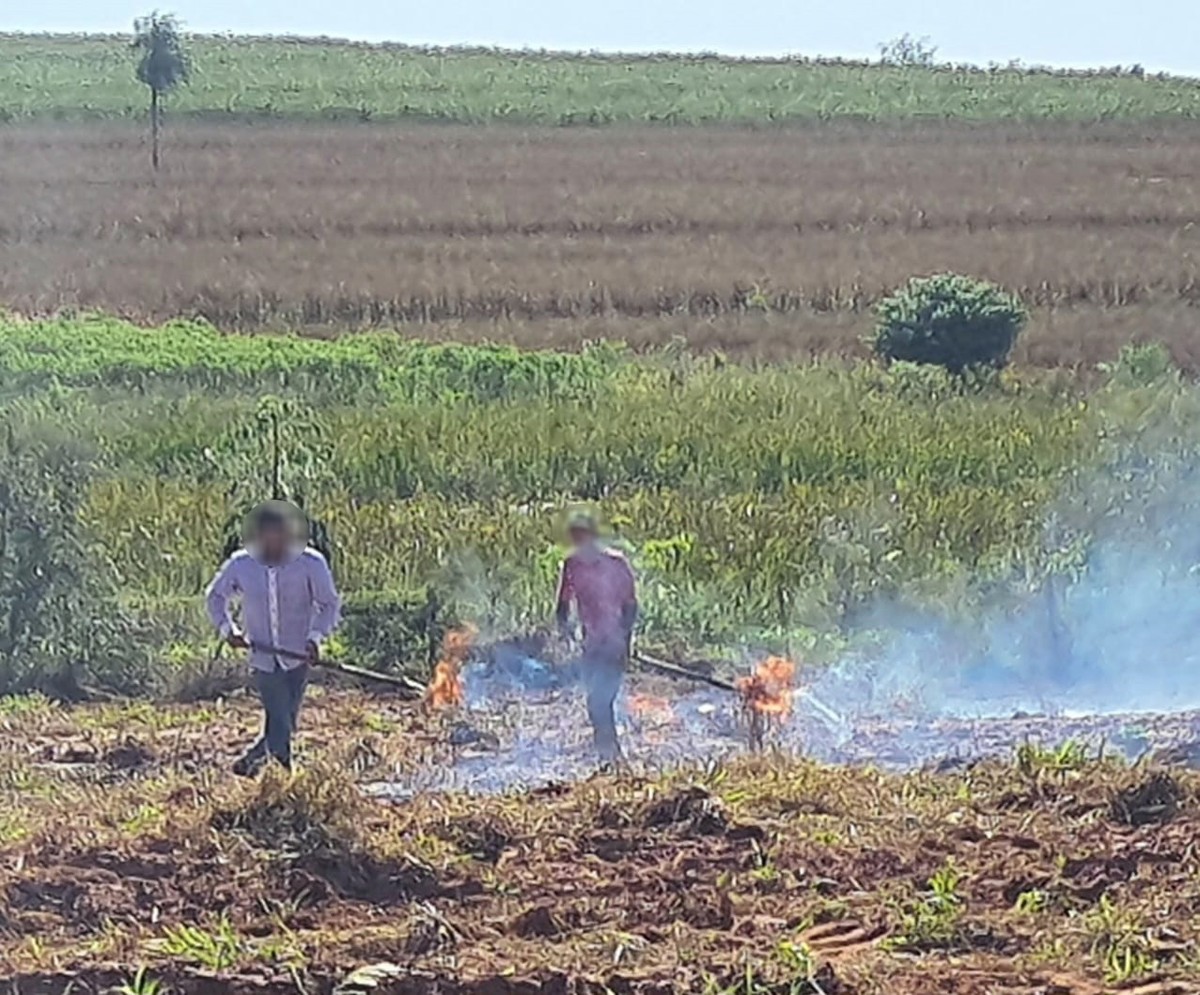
<point x="312" y="652"/>
<point x="237" y="641"/>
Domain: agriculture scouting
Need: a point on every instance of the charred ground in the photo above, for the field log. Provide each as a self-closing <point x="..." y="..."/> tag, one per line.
<point x="1051" y="873"/>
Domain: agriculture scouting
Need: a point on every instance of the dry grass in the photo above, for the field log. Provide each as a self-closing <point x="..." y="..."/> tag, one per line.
<point x="761" y="242"/>
<point x="1047" y="875"/>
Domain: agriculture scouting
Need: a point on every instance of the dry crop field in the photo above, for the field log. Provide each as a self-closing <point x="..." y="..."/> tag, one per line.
<point x="766" y="242"/>
<point x="1052" y="873"/>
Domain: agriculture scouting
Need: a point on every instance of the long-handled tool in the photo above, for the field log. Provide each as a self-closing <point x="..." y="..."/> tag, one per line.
<point x="405" y="684"/>
<point x="674" y="670"/>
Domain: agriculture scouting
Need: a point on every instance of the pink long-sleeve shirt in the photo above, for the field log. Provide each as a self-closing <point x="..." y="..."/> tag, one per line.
<point x="285" y="605"/>
<point x="601" y="585"/>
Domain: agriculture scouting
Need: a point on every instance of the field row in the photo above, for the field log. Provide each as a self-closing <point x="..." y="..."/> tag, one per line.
<point x="770" y="243"/>
<point x="80" y="77"/>
<point x="106" y="352"/>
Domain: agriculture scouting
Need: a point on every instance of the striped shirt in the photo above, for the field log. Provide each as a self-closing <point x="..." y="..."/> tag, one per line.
<point x="285" y="605"/>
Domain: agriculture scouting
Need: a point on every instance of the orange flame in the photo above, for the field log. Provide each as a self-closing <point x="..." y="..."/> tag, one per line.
<point x="445" y="689"/>
<point x="653" y="717"/>
<point x="768" y="691"/>
<point x="649" y="708"/>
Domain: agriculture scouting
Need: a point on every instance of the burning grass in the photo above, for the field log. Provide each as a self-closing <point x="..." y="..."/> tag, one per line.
<point x="767" y="696"/>
<point x="767" y="872"/>
<point x="445" y="688"/>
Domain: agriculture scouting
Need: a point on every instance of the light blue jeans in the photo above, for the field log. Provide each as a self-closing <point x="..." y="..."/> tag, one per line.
<point x="603" y="670"/>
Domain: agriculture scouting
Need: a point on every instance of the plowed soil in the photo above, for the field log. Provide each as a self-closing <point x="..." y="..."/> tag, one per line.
<point x="756" y="242"/>
<point x="125" y="844"/>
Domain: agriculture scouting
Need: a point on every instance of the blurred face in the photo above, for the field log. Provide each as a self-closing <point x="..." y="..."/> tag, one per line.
<point x="581" y="538"/>
<point x="272" y="541"/>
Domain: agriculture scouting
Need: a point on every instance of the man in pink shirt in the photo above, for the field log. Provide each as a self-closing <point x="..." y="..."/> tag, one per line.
<point x="599" y="583"/>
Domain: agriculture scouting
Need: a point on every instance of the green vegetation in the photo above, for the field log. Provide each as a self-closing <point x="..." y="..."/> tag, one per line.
<point x="932" y="921"/>
<point x="1121" y="942"/>
<point x="218" y="949"/>
<point x="770" y="505"/>
<point x="57" y="605"/>
<point x="97" y="351"/>
<point x="951" y="321"/>
<point x="88" y="77"/>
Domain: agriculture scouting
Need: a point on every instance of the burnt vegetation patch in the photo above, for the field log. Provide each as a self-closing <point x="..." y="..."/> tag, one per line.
<point x="482" y="838"/>
<point x="691" y="810"/>
<point x="1156" y="798"/>
<point x="920" y="882"/>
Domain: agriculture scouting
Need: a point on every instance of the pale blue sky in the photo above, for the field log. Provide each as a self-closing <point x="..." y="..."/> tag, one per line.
<point x="1159" y="34"/>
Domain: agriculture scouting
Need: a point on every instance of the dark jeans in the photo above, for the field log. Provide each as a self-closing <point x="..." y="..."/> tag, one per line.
<point x="281" y="692"/>
<point x="603" y="670"/>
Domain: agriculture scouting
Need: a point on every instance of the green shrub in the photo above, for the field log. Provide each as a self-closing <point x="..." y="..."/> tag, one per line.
<point x="392" y="632"/>
<point x="60" y="629"/>
<point x="949" y="320"/>
<point x="1141" y="365"/>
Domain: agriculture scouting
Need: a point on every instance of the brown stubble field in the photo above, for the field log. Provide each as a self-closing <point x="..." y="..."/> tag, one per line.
<point x="764" y="876"/>
<point x="758" y="242"/>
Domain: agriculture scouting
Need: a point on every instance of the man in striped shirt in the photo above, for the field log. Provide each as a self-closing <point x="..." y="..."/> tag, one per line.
<point x="289" y="606"/>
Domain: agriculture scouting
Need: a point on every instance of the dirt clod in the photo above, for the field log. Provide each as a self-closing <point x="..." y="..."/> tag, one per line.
<point x="539" y="920"/>
<point x="694" y="807"/>
<point x="1155" y="799"/>
<point x="483" y="839"/>
<point x="129" y="755"/>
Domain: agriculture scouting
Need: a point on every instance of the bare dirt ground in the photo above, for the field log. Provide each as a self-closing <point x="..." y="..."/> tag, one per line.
<point x="125" y="844"/>
<point x="758" y="242"/>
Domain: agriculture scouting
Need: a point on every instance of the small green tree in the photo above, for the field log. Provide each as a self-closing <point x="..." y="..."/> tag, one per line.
<point x="284" y="436"/>
<point x="952" y="321"/>
<point x="162" y="66"/>
<point x="908" y="50"/>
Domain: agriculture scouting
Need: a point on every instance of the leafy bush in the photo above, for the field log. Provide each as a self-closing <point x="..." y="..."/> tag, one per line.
<point x="59" y="625"/>
<point x="387" y="632"/>
<point x="1141" y="365"/>
<point x="949" y="320"/>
